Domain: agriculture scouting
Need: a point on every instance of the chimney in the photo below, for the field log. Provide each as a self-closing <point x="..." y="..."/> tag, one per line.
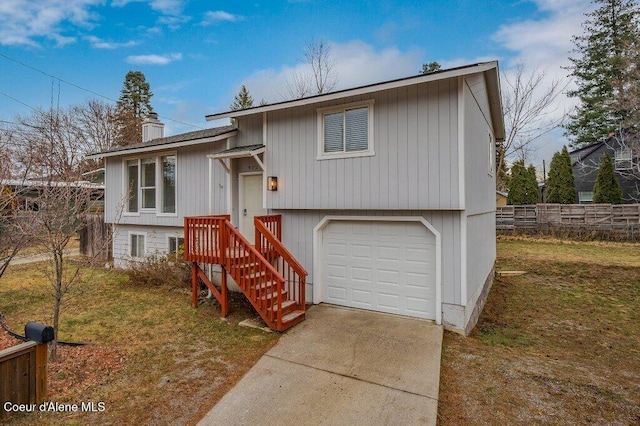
<point x="152" y="128"/>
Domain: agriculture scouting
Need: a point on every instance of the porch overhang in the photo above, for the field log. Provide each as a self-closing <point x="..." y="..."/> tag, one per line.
<point x="239" y="152"/>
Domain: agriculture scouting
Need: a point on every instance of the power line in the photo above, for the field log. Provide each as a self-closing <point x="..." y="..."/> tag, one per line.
<point x="77" y="87"/>
<point x="17" y="100"/>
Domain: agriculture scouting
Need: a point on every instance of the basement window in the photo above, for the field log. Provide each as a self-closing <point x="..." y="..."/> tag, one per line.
<point x="137" y="245"/>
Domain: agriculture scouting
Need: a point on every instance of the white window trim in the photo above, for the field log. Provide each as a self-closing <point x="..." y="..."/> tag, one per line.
<point x="173" y="235"/>
<point x="155" y="187"/>
<point x="125" y="187"/>
<point x="584" y="201"/>
<point x="321" y="155"/>
<point x="159" y="199"/>
<point x="619" y="160"/>
<point x="129" y="247"/>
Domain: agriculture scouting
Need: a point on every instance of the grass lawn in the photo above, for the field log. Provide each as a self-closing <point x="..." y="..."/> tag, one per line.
<point x="151" y="357"/>
<point x="558" y="345"/>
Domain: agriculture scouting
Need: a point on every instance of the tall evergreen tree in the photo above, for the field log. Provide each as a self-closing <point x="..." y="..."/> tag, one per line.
<point x="607" y="189"/>
<point x="560" y="185"/>
<point x="430" y="67"/>
<point x="523" y="186"/>
<point x="133" y="106"/>
<point x="242" y="100"/>
<point x="599" y="70"/>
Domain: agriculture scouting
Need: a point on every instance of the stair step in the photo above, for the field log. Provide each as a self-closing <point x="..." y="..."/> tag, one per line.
<point x="292" y="316"/>
<point x="287" y="306"/>
<point x="256" y="275"/>
<point x="245" y="265"/>
<point x="273" y="295"/>
<point x="266" y="284"/>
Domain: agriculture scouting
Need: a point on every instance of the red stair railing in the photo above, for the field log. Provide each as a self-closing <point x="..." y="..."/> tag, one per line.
<point x="268" y="242"/>
<point x="214" y="240"/>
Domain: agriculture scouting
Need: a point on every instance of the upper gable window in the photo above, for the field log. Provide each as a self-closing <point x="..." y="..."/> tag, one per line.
<point x="624" y="159"/>
<point x="345" y="131"/>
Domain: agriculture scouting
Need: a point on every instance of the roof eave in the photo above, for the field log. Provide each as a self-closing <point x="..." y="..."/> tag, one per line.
<point x="452" y="73"/>
<point x="492" y="77"/>
<point x="162" y="147"/>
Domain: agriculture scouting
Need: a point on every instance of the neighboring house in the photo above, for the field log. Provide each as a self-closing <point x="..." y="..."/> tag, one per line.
<point x="28" y="192"/>
<point x="501" y="198"/>
<point x="586" y="161"/>
<point x="385" y="192"/>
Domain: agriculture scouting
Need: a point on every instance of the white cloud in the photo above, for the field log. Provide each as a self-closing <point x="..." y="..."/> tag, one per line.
<point x="544" y="45"/>
<point x="98" y="43"/>
<point x="25" y="23"/>
<point x="356" y="64"/>
<point x="211" y="17"/>
<point x="171" y="10"/>
<point x="154" y="59"/>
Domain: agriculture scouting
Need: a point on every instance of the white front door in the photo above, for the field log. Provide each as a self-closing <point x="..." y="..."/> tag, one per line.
<point x="251" y="203"/>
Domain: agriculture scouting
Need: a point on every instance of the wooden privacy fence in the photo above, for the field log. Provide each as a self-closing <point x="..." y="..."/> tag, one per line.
<point x="23" y="375"/>
<point x="95" y="237"/>
<point x="623" y="220"/>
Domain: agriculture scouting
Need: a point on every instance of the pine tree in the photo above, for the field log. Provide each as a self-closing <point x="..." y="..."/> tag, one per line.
<point x="431" y="67"/>
<point x="242" y="100"/>
<point x="523" y="186"/>
<point x="560" y="185"/>
<point x="607" y="189"/>
<point x="133" y="106"/>
<point x="599" y="70"/>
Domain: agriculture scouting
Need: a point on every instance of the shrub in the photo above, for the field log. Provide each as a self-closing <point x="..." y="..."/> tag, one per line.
<point x="159" y="270"/>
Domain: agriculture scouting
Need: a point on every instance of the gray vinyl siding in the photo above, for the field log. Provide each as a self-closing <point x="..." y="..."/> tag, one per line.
<point x="156" y="241"/>
<point x="297" y="236"/>
<point x="192" y="187"/>
<point x="479" y="184"/>
<point x="415" y="166"/>
<point x="481" y="253"/>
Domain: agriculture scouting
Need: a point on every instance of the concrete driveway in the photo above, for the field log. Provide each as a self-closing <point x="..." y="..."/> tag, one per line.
<point x="341" y="366"/>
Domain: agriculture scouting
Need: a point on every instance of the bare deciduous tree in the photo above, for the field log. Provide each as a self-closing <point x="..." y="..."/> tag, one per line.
<point x="320" y="75"/>
<point x="528" y="113"/>
<point x="11" y="239"/>
<point x="52" y="145"/>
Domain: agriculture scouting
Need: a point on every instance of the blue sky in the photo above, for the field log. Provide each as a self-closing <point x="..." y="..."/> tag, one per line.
<point x="196" y="54"/>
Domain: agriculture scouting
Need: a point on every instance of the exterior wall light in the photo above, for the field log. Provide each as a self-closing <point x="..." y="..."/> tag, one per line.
<point x="272" y="183"/>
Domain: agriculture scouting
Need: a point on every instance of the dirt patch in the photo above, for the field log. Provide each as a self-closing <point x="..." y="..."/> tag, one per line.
<point x="558" y="345"/>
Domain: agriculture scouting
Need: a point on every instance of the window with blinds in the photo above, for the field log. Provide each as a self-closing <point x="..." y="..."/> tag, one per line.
<point x="345" y="131"/>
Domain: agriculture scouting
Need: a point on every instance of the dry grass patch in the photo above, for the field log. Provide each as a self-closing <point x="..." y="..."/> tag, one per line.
<point x="151" y="357"/>
<point x="558" y="345"/>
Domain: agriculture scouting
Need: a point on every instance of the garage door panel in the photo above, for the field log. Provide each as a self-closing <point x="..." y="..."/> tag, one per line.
<point x="388" y="301"/>
<point x="362" y="297"/>
<point x="384" y="266"/>
<point x="337" y="294"/>
<point x="361" y="251"/>
<point x="418" y="305"/>
<point x="388" y="277"/>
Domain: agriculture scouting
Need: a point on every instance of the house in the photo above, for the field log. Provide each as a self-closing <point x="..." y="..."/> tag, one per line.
<point x="585" y="162"/>
<point x="379" y="197"/>
<point x="26" y="193"/>
<point x="621" y="148"/>
<point x="501" y="198"/>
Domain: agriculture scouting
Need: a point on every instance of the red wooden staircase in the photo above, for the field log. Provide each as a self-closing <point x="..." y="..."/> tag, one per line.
<point x="268" y="275"/>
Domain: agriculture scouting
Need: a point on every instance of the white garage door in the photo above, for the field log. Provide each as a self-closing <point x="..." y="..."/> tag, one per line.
<point x="380" y="266"/>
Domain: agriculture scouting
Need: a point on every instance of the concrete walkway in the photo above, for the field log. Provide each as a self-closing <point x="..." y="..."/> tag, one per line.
<point x="341" y="366"/>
